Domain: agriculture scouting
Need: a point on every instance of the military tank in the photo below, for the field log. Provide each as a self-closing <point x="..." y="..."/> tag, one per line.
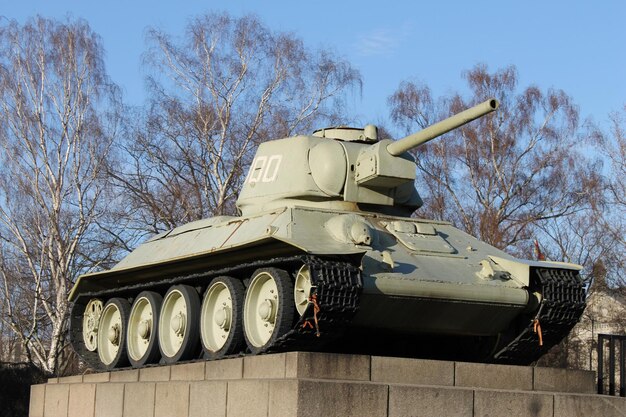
<point x="325" y="247"/>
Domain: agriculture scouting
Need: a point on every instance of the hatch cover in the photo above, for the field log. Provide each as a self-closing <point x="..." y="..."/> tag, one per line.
<point x="420" y="237"/>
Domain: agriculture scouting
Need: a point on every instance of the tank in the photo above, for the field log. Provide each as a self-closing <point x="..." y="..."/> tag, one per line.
<point x="325" y="256"/>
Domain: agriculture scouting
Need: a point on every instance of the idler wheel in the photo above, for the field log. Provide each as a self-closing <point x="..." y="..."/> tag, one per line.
<point x="268" y="310"/>
<point x="221" y="328"/>
<point x="178" y="331"/>
<point x="91" y="321"/>
<point x="112" y="333"/>
<point x="142" y="339"/>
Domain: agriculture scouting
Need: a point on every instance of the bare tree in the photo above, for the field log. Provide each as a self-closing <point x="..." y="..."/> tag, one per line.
<point x="228" y="85"/>
<point x="594" y="236"/>
<point x="613" y="147"/>
<point x="500" y="176"/>
<point x="616" y="153"/>
<point x="57" y="123"/>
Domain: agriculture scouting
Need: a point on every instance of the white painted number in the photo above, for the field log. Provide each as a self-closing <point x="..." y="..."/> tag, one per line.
<point x="264" y="169"/>
<point x="256" y="170"/>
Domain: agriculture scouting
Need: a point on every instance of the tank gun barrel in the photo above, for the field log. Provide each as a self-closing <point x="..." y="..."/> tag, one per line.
<point x="417" y="139"/>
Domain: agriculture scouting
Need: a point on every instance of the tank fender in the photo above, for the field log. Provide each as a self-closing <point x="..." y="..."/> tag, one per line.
<point x="520" y="268"/>
<point x="350" y="228"/>
<point x="493" y="271"/>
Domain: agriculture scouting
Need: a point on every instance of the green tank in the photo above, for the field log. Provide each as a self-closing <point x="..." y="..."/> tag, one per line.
<point x="325" y="256"/>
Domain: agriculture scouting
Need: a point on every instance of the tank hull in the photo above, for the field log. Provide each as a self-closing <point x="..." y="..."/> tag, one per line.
<point x="408" y="276"/>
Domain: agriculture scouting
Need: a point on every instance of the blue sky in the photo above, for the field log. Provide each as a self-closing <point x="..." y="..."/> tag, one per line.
<point x="577" y="46"/>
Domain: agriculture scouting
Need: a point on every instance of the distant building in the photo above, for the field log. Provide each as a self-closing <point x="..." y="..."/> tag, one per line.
<point x="605" y="314"/>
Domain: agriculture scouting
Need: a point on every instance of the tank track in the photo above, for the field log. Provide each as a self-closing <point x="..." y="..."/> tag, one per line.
<point x="337" y="286"/>
<point x="562" y="304"/>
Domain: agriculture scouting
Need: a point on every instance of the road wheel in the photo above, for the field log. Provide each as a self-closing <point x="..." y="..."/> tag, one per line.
<point x="112" y="333"/>
<point x="142" y="339"/>
<point x="268" y="308"/>
<point x="178" y="324"/>
<point x="221" y="328"/>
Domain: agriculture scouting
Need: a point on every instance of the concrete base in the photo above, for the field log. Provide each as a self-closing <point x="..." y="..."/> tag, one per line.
<point x="322" y="384"/>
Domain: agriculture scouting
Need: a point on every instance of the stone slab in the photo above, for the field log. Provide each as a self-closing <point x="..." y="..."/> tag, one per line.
<point x="99" y="377"/>
<point x="155" y="374"/>
<point x="412" y="371"/>
<point x="512" y="404"/>
<point x="248" y="398"/>
<point x="346" y="399"/>
<point x="564" y="380"/>
<point x="430" y="401"/>
<point x="128" y="375"/>
<point x="264" y="366"/>
<point x="74" y="379"/>
<point x="57" y="397"/>
<point x="172" y="399"/>
<point x="109" y="400"/>
<point x="188" y="372"/>
<point x="37" y="400"/>
<point x="224" y="369"/>
<point x="585" y="405"/>
<point x="139" y="399"/>
<point x="207" y="398"/>
<point x="283" y="398"/>
<point x="328" y="366"/>
<point x="82" y="400"/>
<point x="481" y="375"/>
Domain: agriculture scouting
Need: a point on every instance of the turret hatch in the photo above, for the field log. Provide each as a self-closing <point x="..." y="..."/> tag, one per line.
<point x="368" y="134"/>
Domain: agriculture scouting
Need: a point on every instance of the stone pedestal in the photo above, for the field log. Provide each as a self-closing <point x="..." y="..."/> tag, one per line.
<point x="322" y="384"/>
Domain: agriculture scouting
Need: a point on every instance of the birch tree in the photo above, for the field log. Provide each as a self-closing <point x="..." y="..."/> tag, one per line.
<point x="57" y="123"/>
<point x="227" y="85"/>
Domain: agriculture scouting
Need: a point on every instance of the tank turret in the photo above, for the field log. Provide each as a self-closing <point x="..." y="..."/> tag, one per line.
<point x="343" y="168"/>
